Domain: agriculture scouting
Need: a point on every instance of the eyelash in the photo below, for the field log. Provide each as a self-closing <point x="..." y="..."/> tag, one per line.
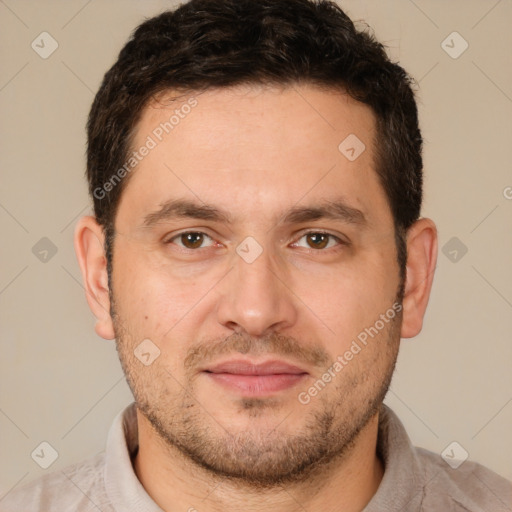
<point x="332" y="237"/>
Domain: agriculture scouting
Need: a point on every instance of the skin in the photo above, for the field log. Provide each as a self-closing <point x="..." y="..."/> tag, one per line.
<point x="256" y="152"/>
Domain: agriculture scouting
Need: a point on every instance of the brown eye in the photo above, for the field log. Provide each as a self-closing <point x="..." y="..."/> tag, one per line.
<point x="192" y="240"/>
<point x="317" y="240"/>
<point x="320" y="241"/>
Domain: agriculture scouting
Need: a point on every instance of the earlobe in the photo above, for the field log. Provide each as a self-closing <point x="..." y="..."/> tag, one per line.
<point x="89" y="248"/>
<point x="421" y="264"/>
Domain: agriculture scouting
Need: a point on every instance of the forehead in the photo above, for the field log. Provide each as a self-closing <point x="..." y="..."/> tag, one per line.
<point x="281" y="116"/>
<point x="251" y="146"/>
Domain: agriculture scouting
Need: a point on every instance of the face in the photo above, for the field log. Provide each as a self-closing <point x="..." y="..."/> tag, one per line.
<point x="260" y="263"/>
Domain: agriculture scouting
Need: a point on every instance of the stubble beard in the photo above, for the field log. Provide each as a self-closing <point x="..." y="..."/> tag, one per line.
<point x="262" y="459"/>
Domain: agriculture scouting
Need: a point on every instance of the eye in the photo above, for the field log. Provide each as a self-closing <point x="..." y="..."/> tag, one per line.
<point x="319" y="240"/>
<point x="191" y="240"/>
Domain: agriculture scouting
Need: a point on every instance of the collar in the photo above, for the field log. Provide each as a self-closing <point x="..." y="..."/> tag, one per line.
<point x="401" y="487"/>
<point x="121" y="483"/>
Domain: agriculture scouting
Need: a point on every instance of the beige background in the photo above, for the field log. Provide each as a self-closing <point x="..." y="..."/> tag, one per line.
<point x="60" y="383"/>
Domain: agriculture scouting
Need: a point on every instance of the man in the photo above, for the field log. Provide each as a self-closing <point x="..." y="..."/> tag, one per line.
<point x="257" y="253"/>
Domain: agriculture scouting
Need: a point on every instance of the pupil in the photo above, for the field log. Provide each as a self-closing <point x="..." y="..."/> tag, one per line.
<point x="192" y="240"/>
<point x="319" y="240"/>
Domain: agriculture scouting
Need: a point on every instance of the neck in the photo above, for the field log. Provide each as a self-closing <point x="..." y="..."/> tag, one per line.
<point x="175" y="482"/>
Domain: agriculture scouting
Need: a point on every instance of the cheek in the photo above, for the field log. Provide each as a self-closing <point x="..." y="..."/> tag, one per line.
<point x="151" y="300"/>
<point x="141" y="297"/>
<point x="349" y="298"/>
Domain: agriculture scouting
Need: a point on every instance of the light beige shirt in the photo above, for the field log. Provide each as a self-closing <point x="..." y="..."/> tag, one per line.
<point x="414" y="479"/>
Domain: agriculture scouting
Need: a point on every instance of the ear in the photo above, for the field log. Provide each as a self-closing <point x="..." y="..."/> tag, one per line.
<point x="89" y="248"/>
<point x="421" y="263"/>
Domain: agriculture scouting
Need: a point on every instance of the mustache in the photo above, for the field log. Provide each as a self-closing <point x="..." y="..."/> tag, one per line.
<point x="275" y="344"/>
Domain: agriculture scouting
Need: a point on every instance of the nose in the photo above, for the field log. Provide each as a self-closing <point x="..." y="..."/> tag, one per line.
<point x="256" y="297"/>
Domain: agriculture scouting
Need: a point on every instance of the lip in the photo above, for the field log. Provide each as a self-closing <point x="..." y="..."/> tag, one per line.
<point x="244" y="367"/>
<point x="255" y="379"/>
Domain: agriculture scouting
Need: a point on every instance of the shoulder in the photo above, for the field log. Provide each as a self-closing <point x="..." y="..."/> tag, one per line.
<point x="78" y="487"/>
<point x="416" y="479"/>
<point x="467" y="487"/>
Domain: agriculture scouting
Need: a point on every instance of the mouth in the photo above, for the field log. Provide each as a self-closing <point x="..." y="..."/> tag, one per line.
<point x="255" y="379"/>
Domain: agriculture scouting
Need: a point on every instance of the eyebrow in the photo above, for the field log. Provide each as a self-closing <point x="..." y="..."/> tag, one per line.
<point x="332" y="210"/>
<point x="184" y="208"/>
